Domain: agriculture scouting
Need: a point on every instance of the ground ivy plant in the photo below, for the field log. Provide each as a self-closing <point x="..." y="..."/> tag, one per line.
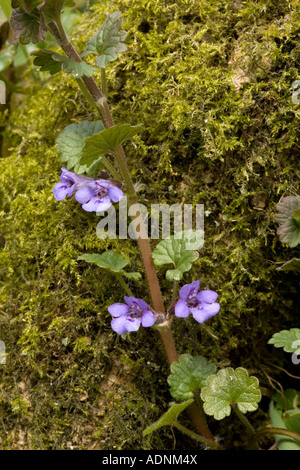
<point x="95" y="172"/>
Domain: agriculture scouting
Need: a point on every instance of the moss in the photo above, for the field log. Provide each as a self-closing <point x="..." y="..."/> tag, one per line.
<point x="212" y="85"/>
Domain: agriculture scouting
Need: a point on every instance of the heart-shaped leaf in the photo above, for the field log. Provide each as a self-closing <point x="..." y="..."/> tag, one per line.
<point x="188" y="374"/>
<point x="288" y="217"/>
<point x="177" y="251"/>
<point x="108" y="42"/>
<point x="111" y="261"/>
<point x="228" y="387"/>
<point x="289" y="340"/>
<point x="169" y="418"/>
<point x="71" y="141"/>
<point x="107" y="141"/>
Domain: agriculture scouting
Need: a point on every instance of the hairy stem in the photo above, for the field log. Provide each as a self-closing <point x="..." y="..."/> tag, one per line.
<point x="123" y="284"/>
<point x="248" y="426"/>
<point x="214" y="445"/>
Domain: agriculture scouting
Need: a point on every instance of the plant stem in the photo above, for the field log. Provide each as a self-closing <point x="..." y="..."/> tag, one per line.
<point x="214" y="445"/>
<point x="175" y="291"/>
<point x="247" y="424"/>
<point x="123" y="284"/>
<point x="284" y="432"/>
<point x="57" y="30"/>
<point x="103" y="82"/>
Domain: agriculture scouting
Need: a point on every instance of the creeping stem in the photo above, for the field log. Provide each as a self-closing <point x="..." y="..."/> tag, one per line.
<point x="100" y="102"/>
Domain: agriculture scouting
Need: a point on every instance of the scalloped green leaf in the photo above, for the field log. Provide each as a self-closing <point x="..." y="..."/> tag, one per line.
<point x="176" y="251"/>
<point x="112" y="262"/>
<point x="44" y="60"/>
<point x="27" y="27"/>
<point x="52" y="62"/>
<point x="289" y="340"/>
<point x="108" y="42"/>
<point x="288" y="217"/>
<point x="107" y="141"/>
<point x="188" y="374"/>
<point x="169" y="418"/>
<point x="71" y="141"/>
<point x="108" y="260"/>
<point x="228" y="387"/>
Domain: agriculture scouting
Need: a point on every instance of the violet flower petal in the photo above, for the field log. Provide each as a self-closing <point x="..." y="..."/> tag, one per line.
<point x="208" y="296"/>
<point x="181" y="309"/>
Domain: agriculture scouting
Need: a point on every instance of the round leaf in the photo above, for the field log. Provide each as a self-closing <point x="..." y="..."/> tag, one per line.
<point x="227" y="387"/>
<point x="188" y="374"/>
<point x="176" y="250"/>
<point x="108" y="260"/>
<point x="289" y="340"/>
<point x="71" y="141"/>
<point x="288" y="217"/>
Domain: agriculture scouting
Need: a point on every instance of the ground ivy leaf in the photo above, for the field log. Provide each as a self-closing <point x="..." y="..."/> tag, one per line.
<point x="27" y="28"/>
<point x="188" y="374"/>
<point x="107" y="141"/>
<point x="53" y="62"/>
<point x="44" y="60"/>
<point x="175" y="251"/>
<point x="228" y="387"/>
<point x="289" y="340"/>
<point x="288" y="217"/>
<point x="109" y="260"/>
<point x="291" y="265"/>
<point x="71" y="141"/>
<point x="108" y="41"/>
<point x="169" y="418"/>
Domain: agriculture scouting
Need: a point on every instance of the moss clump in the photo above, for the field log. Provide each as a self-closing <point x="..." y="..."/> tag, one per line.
<point x="212" y="85"/>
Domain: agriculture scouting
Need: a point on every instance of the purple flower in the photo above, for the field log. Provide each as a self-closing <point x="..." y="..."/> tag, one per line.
<point x="129" y="316"/>
<point x="202" y="305"/>
<point x="97" y="195"/>
<point x="68" y="183"/>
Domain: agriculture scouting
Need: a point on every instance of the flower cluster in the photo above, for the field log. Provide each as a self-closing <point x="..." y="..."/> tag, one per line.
<point x="94" y="195"/>
<point x="128" y="317"/>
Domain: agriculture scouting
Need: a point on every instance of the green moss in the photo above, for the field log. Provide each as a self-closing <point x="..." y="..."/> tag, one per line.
<point x="212" y="85"/>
